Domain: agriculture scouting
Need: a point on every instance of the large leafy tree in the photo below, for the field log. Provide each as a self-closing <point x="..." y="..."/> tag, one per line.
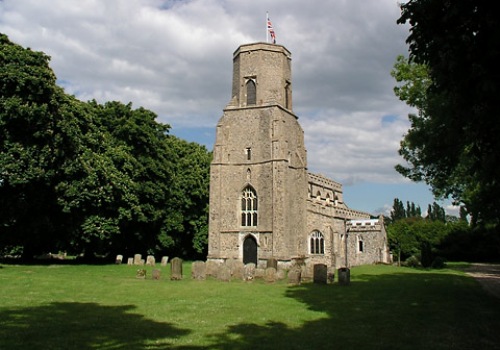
<point x="453" y="141"/>
<point x="33" y="146"/>
<point x="94" y="178"/>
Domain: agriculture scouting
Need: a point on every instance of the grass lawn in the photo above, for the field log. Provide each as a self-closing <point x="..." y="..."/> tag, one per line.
<point x="106" y="307"/>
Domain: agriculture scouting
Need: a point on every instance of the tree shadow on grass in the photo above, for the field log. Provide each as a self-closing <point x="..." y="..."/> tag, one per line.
<point x="83" y="326"/>
<point x="398" y="311"/>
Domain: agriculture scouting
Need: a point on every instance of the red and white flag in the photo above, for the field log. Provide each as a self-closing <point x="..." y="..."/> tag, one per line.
<point x="270" y="31"/>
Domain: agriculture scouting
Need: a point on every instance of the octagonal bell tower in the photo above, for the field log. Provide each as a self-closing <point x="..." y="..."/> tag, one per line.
<point x="258" y="183"/>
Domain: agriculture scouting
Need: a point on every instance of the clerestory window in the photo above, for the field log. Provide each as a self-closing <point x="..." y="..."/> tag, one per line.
<point x="249" y="207"/>
<point x="317" y="243"/>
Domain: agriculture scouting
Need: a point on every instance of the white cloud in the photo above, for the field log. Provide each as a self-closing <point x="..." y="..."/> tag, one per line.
<point x="175" y="58"/>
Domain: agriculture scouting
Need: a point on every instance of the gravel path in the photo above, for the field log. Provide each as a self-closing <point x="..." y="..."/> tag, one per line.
<point x="488" y="275"/>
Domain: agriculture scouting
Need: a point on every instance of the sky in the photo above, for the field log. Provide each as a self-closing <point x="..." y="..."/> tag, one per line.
<point x="174" y="57"/>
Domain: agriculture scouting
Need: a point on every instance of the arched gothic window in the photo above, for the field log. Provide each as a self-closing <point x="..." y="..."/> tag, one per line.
<point x="251" y="93"/>
<point x="317" y="243"/>
<point x="249" y="207"/>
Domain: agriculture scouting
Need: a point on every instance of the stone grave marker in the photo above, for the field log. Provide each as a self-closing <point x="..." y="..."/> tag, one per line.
<point x="224" y="273"/>
<point x="164" y="261"/>
<point x="249" y="272"/>
<point x="198" y="270"/>
<point x="176" y="269"/>
<point x="150" y="260"/>
<point x="270" y="275"/>
<point x="130" y="261"/>
<point x="330" y="275"/>
<point x="156" y="274"/>
<point x="212" y="268"/>
<point x="119" y="259"/>
<point x="141" y="273"/>
<point x="238" y="270"/>
<point x="137" y="259"/>
<point x="259" y="273"/>
<point x="272" y="263"/>
<point x="294" y="276"/>
<point x="320" y="273"/>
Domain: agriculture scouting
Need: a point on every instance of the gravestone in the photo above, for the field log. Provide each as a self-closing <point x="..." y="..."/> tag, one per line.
<point x="272" y="263"/>
<point x="176" y="269"/>
<point x="344" y="276"/>
<point x="331" y="275"/>
<point x="141" y="273"/>
<point x="198" y="270"/>
<point x="259" y="273"/>
<point x="156" y="274"/>
<point x="119" y="259"/>
<point x="280" y="274"/>
<point x="238" y="270"/>
<point x="249" y="271"/>
<point x="294" y="275"/>
<point x="320" y="273"/>
<point x="270" y="275"/>
<point x="164" y="261"/>
<point x="212" y="268"/>
<point x="137" y="259"/>
<point x="224" y="273"/>
<point x="150" y="260"/>
<point x="130" y="261"/>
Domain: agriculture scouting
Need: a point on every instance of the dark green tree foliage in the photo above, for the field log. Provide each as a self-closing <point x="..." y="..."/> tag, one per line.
<point x="436" y="212"/>
<point x="33" y="144"/>
<point x="399" y="212"/>
<point x="453" y="142"/>
<point x="89" y="177"/>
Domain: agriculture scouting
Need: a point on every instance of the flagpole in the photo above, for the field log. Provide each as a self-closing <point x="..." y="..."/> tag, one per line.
<point x="267" y="29"/>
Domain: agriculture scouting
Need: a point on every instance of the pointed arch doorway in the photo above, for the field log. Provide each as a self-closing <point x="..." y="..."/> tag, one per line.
<point x="249" y="250"/>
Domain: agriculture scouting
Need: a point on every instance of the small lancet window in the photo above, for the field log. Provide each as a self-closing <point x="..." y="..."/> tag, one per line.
<point x="248" y="152"/>
<point x="251" y="93"/>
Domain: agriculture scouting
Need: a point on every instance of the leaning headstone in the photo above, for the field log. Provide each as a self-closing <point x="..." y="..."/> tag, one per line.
<point x="130" y="261"/>
<point x="150" y="260"/>
<point x="320" y="273"/>
<point x="176" y="269"/>
<point x="249" y="272"/>
<point x="164" y="261"/>
<point x="294" y="276"/>
<point x="238" y="270"/>
<point x="198" y="270"/>
<point x="119" y="259"/>
<point x="224" y="273"/>
<point x="212" y="268"/>
<point x="137" y="259"/>
<point x="156" y="274"/>
<point x="270" y="275"/>
<point x="141" y="273"/>
<point x="272" y="263"/>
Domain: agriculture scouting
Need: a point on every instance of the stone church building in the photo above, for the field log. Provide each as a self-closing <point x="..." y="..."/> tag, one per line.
<point x="263" y="202"/>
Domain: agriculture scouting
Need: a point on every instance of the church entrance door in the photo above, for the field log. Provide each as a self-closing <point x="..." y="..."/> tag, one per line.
<point x="250" y="250"/>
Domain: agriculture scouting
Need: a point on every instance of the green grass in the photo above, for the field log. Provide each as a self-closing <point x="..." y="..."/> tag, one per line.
<point x="106" y="307"/>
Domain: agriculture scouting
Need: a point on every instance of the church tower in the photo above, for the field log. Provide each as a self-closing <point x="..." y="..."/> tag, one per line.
<point x="258" y="176"/>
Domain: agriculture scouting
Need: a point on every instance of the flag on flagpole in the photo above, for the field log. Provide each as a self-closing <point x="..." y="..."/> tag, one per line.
<point x="270" y="30"/>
